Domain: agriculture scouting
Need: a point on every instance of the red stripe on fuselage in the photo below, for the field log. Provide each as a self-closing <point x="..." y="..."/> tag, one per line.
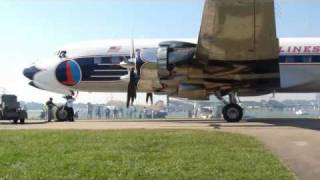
<point x="69" y="80"/>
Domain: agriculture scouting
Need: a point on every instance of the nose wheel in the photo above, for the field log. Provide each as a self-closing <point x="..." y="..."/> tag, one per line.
<point x="62" y="114"/>
<point x="232" y="113"/>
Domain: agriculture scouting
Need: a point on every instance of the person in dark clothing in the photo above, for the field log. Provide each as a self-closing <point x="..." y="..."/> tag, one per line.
<point x="149" y="96"/>
<point x="50" y="106"/>
<point x="99" y="113"/>
<point x="132" y="92"/>
<point x="107" y="113"/>
<point x="140" y="115"/>
<point x="189" y="114"/>
<point x="69" y="107"/>
<point x="76" y="115"/>
<point x="115" y="113"/>
<point x="90" y="110"/>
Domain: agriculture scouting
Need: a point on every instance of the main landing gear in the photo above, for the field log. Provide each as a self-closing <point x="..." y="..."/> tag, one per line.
<point x="232" y="112"/>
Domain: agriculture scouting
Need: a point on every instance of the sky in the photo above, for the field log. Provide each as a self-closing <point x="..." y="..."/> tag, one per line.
<point x="32" y="30"/>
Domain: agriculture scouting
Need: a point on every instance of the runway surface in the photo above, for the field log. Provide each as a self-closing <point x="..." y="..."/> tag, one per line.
<point x="295" y="141"/>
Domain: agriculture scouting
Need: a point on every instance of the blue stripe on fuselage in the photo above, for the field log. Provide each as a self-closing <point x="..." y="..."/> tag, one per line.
<point x="102" y="71"/>
<point x="299" y="58"/>
<point x="75" y="72"/>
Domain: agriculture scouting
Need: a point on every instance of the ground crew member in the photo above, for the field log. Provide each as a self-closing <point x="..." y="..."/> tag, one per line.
<point x="149" y="96"/>
<point x="90" y="110"/>
<point x="69" y="107"/>
<point x="107" y="113"/>
<point x="132" y="89"/>
<point x="50" y="106"/>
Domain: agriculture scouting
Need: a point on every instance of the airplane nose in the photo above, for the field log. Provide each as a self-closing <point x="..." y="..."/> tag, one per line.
<point x="30" y="72"/>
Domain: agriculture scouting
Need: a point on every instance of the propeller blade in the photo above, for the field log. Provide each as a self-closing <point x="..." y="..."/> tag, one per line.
<point x="133" y="54"/>
<point x="132" y="86"/>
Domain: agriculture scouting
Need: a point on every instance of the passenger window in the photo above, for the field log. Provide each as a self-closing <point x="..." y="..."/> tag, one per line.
<point x="316" y="59"/>
<point x="307" y="59"/>
<point x="290" y="59"/>
<point x="282" y="59"/>
<point x="115" y="60"/>
<point x="299" y="59"/>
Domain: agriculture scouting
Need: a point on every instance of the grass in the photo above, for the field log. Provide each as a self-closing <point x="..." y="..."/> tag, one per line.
<point x="136" y="155"/>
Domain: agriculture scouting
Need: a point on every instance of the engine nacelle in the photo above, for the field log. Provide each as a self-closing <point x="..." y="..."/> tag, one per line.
<point x="172" y="54"/>
<point x="166" y="69"/>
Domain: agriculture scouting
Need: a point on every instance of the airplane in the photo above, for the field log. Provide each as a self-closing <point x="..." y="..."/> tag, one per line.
<point x="236" y="54"/>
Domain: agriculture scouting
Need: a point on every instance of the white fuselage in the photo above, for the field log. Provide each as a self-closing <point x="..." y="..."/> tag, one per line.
<point x="299" y="65"/>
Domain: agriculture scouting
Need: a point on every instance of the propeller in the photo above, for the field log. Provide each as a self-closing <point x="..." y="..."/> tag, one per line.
<point x="130" y="63"/>
<point x="132" y="86"/>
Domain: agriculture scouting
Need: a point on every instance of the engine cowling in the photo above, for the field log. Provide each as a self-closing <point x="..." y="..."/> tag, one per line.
<point x="172" y="54"/>
<point x="158" y="63"/>
<point x="166" y="68"/>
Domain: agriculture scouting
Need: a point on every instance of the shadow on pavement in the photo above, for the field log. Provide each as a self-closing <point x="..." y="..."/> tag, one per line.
<point x="313" y="124"/>
<point x="10" y="123"/>
<point x="152" y="120"/>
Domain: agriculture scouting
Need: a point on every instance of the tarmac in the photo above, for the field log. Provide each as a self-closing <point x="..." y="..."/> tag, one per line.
<point x="295" y="141"/>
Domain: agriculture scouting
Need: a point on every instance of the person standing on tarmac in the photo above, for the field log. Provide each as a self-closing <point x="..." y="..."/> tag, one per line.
<point x="69" y="107"/>
<point x="50" y="106"/>
<point x="107" y="113"/>
<point x="90" y="110"/>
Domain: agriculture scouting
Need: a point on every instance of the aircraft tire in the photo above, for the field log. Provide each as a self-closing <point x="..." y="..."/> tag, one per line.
<point x="22" y="121"/>
<point x="61" y="114"/>
<point x="232" y="113"/>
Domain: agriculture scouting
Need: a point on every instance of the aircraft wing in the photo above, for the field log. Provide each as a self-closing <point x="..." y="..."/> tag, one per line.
<point x="238" y="42"/>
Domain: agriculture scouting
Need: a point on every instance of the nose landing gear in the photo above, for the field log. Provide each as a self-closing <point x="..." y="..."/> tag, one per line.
<point x="62" y="114"/>
<point x="232" y="112"/>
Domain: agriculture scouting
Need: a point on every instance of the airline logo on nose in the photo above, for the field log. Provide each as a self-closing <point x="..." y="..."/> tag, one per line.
<point x="68" y="73"/>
